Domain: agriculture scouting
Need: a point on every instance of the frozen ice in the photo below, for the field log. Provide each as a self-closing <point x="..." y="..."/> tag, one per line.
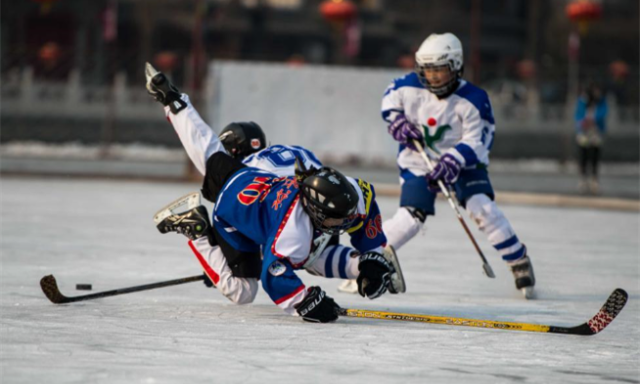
<point x="101" y="232"/>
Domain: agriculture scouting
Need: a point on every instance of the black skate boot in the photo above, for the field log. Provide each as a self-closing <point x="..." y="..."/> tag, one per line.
<point x="159" y="86"/>
<point x="523" y="273"/>
<point x="193" y="223"/>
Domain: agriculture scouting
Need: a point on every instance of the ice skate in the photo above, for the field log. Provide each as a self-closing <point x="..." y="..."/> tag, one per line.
<point x="397" y="278"/>
<point x="523" y="273"/>
<point x="348" y="286"/>
<point x="185" y="216"/>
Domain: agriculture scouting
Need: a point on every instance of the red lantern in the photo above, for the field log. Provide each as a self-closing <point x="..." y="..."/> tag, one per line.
<point x="166" y="61"/>
<point x="526" y="69"/>
<point x="583" y="12"/>
<point x="49" y="53"/>
<point x="619" y="69"/>
<point x="338" y="10"/>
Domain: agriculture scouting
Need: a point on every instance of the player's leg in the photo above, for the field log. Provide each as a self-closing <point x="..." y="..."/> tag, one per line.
<point x="335" y="261"/>
<point x="594" y="186"/>
<point x="236" y="280"/>
<point x="583" y="160"/>
<point x="198" y="139"/>
<point x="416" y="203"/>
<point x="475" y="192"/>
<point x="237" y="289"/>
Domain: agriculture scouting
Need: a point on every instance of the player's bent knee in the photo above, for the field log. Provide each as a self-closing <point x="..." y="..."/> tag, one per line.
<point x="484" y="211"/>
<point x="239" y="290"/>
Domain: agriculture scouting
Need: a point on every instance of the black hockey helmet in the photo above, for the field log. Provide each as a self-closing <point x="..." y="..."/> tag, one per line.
<point x="242" y="139"/>
<point x="327" y="194"/>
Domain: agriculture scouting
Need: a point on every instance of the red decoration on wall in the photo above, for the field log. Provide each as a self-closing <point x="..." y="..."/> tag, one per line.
<point x="165" y="61"/>
<point x="49" y="53"/>
<point x="526" y="69"/>
<point x="338" y="10"/>
<point x="619" y="69"/>
<point x="583" y="12"/>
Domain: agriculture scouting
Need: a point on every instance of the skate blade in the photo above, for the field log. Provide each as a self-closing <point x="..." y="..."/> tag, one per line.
<point x="528" y="293"/>
<point x="150" y="71"/>
<point x="182" y="204"/>
<point x="397" y="279"/>
<point x="349" y="286"/>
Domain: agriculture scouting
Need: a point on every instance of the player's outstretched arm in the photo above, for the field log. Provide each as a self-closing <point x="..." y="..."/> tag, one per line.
<point x="198" y="139"/>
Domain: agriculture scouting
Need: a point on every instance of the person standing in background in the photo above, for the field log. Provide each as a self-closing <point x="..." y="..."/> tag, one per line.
<point x="590" y="124"/>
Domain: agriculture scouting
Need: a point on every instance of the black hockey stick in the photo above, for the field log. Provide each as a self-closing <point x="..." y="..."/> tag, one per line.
<point x="50" y="288"/>
<point x="453" y="202"/>
<point x="597" y="323"/>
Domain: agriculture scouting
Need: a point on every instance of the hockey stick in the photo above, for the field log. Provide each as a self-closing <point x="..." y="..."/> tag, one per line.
<point x="50" y="288"/>
<point x="597" y="323"/>
<point x="453" y="202"/>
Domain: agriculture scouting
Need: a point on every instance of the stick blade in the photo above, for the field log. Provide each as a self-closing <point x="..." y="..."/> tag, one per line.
<point x="50" y="289"/>
<point x="611" y="308"/>
<point x="609" y="311"/>
<point x="488" y="271"/>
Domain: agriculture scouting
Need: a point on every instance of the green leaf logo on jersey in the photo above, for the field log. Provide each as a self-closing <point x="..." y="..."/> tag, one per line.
<point x="432" y="140"/>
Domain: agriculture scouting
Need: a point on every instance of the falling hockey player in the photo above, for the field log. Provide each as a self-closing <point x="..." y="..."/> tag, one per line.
<point x="452" y="118"/>
<point x="282" y="216"/>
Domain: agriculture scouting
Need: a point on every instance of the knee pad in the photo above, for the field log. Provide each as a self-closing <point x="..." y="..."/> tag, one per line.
<point x="404" y="225"/>
<point x="485" y="212"/>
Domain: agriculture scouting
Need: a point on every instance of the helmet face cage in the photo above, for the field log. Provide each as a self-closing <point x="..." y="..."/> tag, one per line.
<point x="444" y="89"/>
<point x="242" y="139"/>
<point x="318" y="218"/>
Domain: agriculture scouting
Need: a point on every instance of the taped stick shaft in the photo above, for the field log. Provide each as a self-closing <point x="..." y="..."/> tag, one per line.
<point x="454" y="204"/>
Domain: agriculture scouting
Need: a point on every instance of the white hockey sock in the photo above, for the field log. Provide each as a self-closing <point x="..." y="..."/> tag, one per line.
<point x="198" y="139"/>
<point x="401" y="228"/>
<point x="336" y="261"/>
<point x="238" y="290"/>
<point x="495" y="225"/>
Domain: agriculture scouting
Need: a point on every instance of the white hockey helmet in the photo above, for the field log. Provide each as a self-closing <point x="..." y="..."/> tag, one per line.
<point x="439" y="50"/>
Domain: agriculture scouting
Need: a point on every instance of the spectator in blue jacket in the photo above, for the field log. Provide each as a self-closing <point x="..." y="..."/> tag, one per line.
<point x="590" y="123"/>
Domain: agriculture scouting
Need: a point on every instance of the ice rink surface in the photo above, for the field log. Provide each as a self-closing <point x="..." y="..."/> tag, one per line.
<point x="101" y="232"/>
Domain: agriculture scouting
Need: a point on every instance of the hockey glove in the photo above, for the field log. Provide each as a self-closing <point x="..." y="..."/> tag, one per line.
<point x="317" y="307"/>
<point x="405" y="132"/>
<point x="448" y="170"/>
<point x="207" y="281"/>
<point x="159" y="86"/>
<point x="375" y="275"/>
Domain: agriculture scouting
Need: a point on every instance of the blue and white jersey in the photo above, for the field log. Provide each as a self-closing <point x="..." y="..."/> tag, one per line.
<point x="257" y="209"/>
<point x="461" y="124"/>
<point x="281" y="159"/>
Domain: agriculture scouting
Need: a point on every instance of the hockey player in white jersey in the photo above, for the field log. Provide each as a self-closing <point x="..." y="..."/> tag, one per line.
<point x="232" y="269"/>
<point x="453" y="120"/>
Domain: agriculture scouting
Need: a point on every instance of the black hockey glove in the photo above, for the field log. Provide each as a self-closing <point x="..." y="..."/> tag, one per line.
<point x="207" y="281"/>
<point x="317" y="307"/>
<point x="375" y="275"/>
<point x="159" y="86"/>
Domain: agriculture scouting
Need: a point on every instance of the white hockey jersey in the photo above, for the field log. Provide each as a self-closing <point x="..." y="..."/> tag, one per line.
<point x="461" y="124"/>
<point x="281" y="159"/>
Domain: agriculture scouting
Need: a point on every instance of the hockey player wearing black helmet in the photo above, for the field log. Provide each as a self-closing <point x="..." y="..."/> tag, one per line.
<point x="241" y="139"/>
<point x="257" y="210"/>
